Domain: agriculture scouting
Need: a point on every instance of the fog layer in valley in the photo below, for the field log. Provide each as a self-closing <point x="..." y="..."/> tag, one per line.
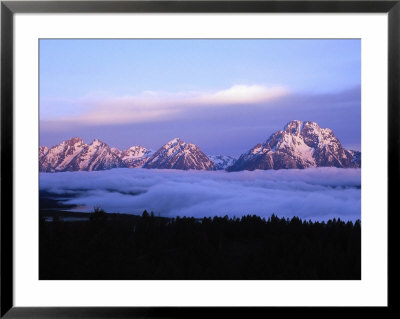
<point x="313" y="193"/>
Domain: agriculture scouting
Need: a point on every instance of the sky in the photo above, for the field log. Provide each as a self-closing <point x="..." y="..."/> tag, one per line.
<point x="223" y="95"/>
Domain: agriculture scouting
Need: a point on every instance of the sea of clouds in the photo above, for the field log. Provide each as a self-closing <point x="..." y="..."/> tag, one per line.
<point x="313" y="193"/>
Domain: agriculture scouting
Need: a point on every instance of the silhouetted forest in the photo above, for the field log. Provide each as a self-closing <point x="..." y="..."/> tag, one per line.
<point x="117" y="246"/>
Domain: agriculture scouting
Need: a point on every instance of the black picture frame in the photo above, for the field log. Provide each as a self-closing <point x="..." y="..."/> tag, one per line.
<point x="9" y="8"/>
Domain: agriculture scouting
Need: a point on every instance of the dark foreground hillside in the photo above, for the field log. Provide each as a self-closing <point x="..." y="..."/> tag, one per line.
<point x="112" y="246"/>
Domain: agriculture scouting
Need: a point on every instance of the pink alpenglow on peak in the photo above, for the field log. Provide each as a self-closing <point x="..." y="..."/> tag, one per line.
<point x="75" y="155"/>
<point x="299" y="145"/>
<point x="135" y="156"/>
<point x="177" y="154"/>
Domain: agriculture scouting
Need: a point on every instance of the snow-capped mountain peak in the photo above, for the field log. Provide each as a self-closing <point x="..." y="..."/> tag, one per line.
<point x="135" y="156"/>
<point x="97" y="143"/>
<point x="74" y="140"/>
<point x="174" y="141"/>
<point x="294" y="127"/>
<point x="135" y="152"/>
<point x="299" y="145"/>
<point x="59" y="157"/>
<point x="75" y="155"/>
<point x="178" y="154"/>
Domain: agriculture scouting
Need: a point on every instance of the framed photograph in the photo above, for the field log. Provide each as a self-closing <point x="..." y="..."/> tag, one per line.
<point x="175" y="158"/>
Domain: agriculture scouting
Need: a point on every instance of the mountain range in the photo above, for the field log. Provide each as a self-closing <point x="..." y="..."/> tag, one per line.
<point x="298" y="145"/>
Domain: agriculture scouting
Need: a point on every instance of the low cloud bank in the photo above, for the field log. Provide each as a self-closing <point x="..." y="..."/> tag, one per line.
<point x="314" y="193"/>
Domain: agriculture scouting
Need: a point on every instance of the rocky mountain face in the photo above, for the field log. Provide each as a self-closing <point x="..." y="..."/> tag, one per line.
<point x="177" y="154"/>
<point x="135" y="156"/>
<point x="43" y="151"/>
<point x="221" y="162"/>
<point x="356" y="157"/>
<point x="298" y="145"/>
<point x="75" y="155"/>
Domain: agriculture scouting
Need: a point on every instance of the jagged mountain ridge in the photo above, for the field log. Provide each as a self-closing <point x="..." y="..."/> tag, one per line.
<point x="299" y="145"/>
<point x="135" y="156"/>
<point x="177" y="154"/>
<point x="75" y="155"/>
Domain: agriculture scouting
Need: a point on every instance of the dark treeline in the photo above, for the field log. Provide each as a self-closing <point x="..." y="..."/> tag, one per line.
<point x="111" y="246"/>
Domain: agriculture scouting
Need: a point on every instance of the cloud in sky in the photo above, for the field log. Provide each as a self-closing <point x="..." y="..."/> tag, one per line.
<point x="314" y="193"/>
<point x="155" y="105"/>
<point x="221" y="129"/>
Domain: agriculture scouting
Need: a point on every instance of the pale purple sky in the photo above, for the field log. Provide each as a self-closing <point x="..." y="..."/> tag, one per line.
<point x="223" y="95"/>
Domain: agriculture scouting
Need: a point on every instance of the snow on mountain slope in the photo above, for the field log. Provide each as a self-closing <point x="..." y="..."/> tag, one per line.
<point x="94" y="157"/>
<point x="222" y="161"/>
<point x="135" y="156"/>
<point x="75" y="155"/>
<point x="298" y="145"/>
<point x="43" y="151"/>
<point x="59" y="157"/>
<point x="177" y="154"/>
